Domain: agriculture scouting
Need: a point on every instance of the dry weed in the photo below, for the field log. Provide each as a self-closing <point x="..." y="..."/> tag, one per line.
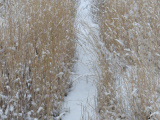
<point x="36" y="51"/>
<point x="129" y="59"/>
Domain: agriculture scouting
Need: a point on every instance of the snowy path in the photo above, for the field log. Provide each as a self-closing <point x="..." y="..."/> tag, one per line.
<point x="80" y="102"/>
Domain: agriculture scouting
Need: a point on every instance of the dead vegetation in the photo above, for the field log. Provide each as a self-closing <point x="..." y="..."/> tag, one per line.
<point x="129" y="58"/>
<point x="36" y="51"/>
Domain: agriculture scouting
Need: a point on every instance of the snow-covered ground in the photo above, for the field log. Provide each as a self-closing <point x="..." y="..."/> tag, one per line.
<point x="81" y="101"/>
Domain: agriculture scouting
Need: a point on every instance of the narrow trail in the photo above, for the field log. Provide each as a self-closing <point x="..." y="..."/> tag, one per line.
<point x="80" y="102"/>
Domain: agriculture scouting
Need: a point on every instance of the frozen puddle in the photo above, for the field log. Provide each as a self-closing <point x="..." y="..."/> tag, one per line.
<point x="80" y="102"/>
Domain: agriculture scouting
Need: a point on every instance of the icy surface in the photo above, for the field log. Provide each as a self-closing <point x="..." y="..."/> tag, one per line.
<point x="80" y="102"/>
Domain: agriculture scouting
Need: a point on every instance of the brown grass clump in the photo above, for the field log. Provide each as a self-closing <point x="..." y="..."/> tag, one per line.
<point x="129" y="59"/>
<point x="36" y="51"/>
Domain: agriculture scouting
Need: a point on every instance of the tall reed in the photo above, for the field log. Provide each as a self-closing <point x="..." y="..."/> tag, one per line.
<point x="129" y="59"/>
<point x="36" y="51"/>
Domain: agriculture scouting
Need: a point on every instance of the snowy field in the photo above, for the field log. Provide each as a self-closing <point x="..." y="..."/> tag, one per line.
<point x="80" y="60"/>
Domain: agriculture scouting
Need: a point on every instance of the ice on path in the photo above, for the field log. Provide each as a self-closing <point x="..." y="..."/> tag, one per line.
<point x="81" y="99"/>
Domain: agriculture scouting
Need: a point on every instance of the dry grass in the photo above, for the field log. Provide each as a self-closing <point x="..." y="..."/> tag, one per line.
<point x="36" y="51"/>
<point x="129" y="59"/>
